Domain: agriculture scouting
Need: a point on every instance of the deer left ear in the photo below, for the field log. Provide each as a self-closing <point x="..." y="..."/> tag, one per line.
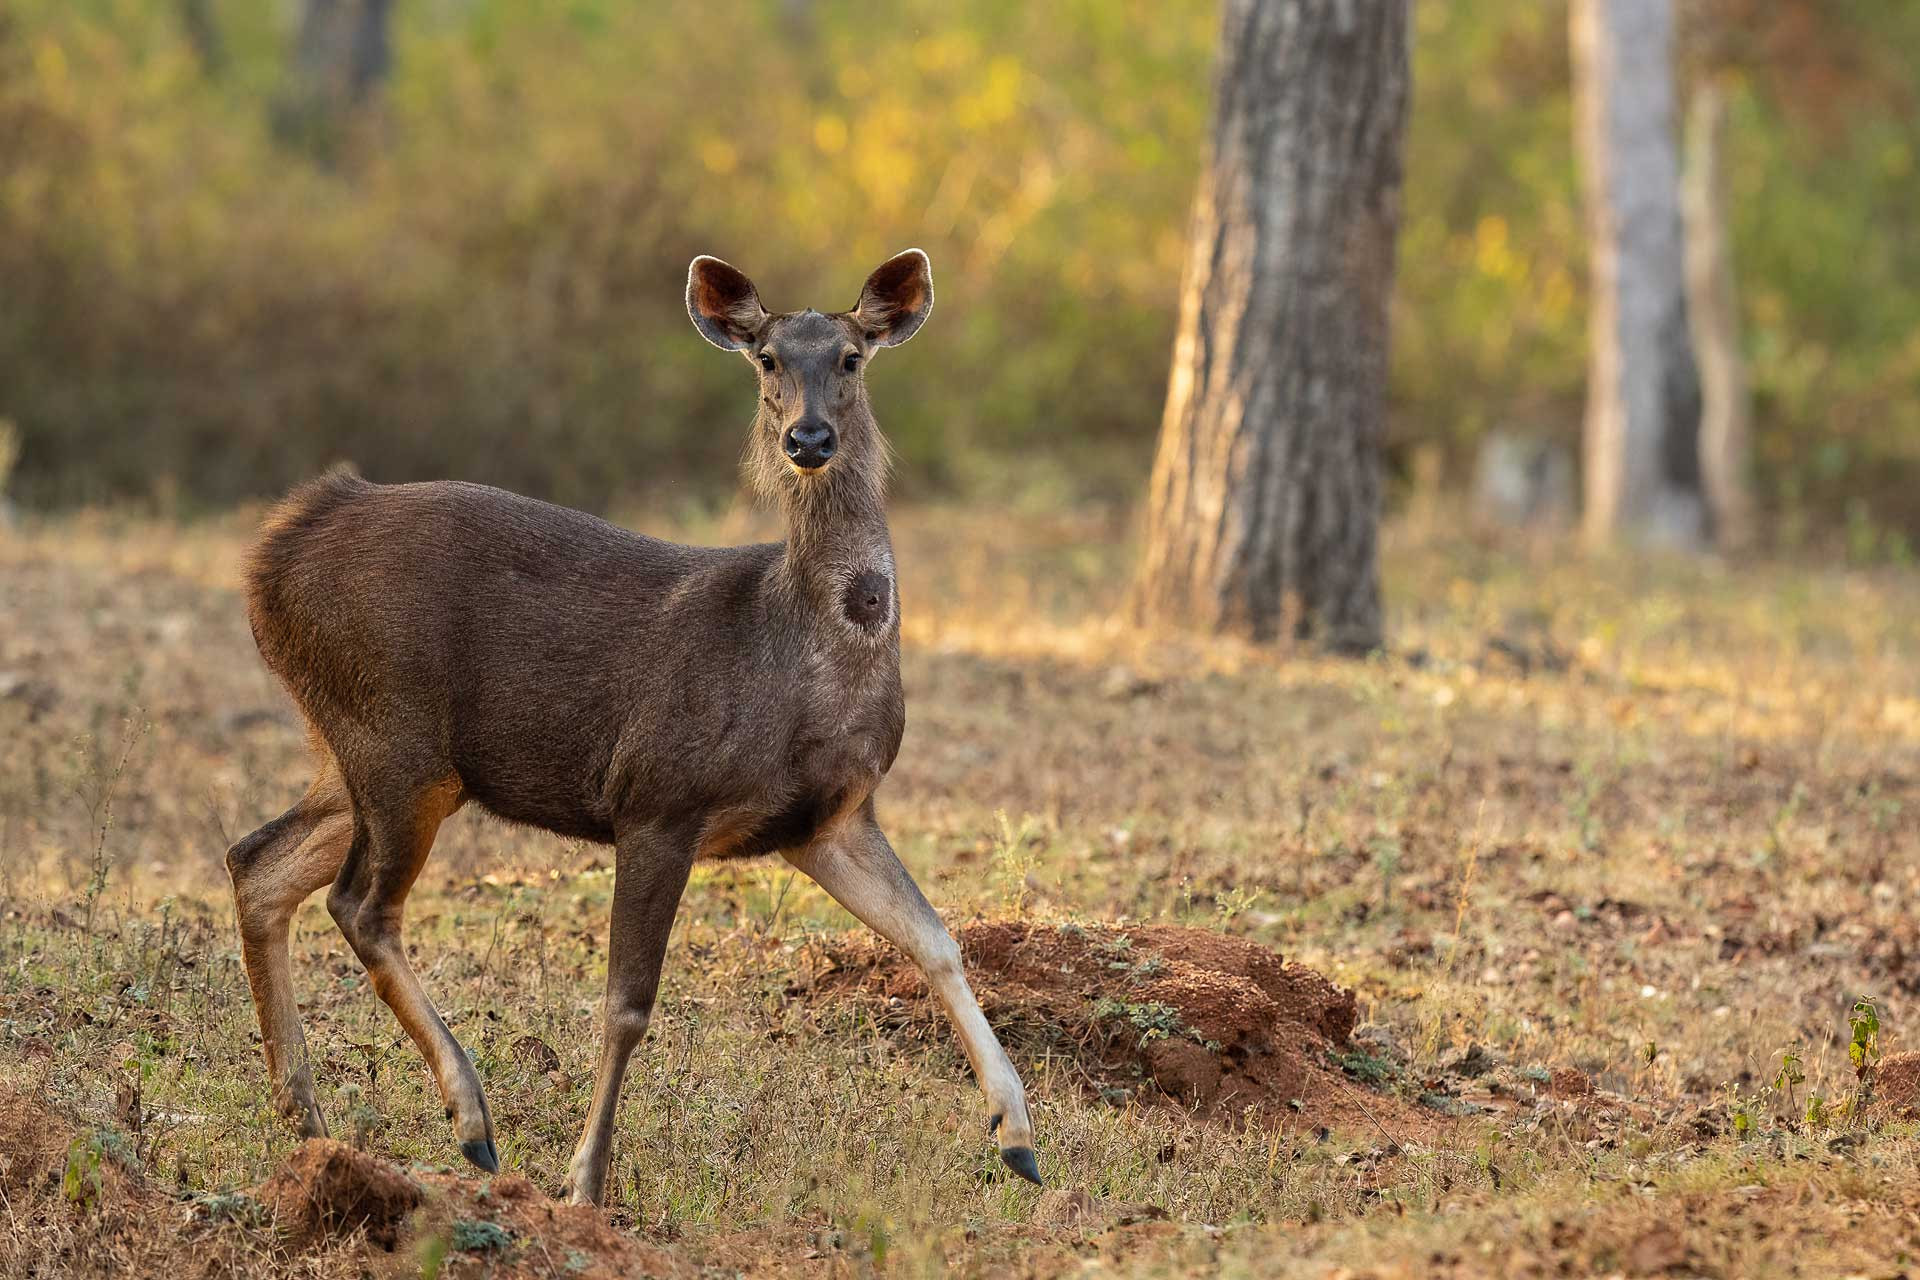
<point x="896" y="299"/>
<point x="724" y="305"/>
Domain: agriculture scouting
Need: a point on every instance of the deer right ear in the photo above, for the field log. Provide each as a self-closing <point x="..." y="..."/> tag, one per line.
<point x="896" y="298"/>
<point x="724" y="304"/>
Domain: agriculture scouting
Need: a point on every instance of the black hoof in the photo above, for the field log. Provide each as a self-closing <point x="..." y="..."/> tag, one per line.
<point x="482" y="1154"/>
<point x="1021" y="1161"/>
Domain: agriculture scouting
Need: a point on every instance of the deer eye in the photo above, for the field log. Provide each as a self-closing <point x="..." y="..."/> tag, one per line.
<point x="766" y="362"/>
<point x="852" y="363"/>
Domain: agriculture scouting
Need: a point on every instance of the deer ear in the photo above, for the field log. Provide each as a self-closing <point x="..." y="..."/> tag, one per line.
<point x="896" y="299"/>
<point x="724" y="304"/>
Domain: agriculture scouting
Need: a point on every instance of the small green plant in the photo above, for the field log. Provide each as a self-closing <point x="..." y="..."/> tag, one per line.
<point x="1386" y="860"/>
<point x="1237" y="901"/>
<point x="100" y="812"/>
<point x="433" y="1255"/>
<point x="472" y="1235"/>
<point x="1863" y="1050"/>
<point x="1014" y="859"/>
<point x="83" y="1182"/>
<point x="1146" y="969"/>
<point x="1365" y="1067"/>
<point x="81" y="1185"/>
<point x="1152" y="1019"/>
<point x="230" y="1206"/>
<point x="1790" y="1076"/>
<point x="1817" y="1117"/>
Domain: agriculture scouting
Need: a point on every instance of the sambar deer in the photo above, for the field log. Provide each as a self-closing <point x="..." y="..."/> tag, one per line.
<point x="450" y="642"/>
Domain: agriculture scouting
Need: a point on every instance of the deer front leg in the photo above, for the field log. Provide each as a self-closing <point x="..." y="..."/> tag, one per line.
<point x="650" y="874"/>
<point x="860" y="869"/>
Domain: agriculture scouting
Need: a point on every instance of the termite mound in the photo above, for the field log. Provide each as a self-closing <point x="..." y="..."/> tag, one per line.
<point x="1155" y="1015"/>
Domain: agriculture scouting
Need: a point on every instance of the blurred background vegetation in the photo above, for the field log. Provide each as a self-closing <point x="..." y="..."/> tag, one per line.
<point x="205" y="295"/>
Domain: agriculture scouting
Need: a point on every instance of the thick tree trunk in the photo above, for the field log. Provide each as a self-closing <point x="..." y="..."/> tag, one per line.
<point x="1264" y="505"/>
<point x="1643" y="394"/>
<point x="1712" y="305"/>
<point x="341" y="56"/>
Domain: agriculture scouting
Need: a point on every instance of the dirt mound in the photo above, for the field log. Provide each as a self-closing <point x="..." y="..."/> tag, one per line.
<point x="82" y="1205"/>
<point x="75" y="1200"/>
<point x="1156" y="1014"/>
<point x="1897" y="1080"/>
<point x="502" y="1227"/>
<point x="33" y="1145"/>
<point x="327" y="1188"/>
<point x="506" y="1227"/>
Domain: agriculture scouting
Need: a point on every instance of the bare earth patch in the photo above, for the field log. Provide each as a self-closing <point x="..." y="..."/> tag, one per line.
<point x="341" y="1210"/>
<point x="1155" y="1015"/>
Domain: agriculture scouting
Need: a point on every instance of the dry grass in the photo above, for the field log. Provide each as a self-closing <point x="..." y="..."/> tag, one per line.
<point x="1652" y="821"/>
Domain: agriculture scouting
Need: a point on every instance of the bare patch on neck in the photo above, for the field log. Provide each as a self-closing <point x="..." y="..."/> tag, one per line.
<point x="868" y="600"/>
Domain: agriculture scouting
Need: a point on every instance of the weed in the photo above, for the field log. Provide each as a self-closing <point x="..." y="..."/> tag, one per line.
<point x="83" y="1183"/>
<point x="1788" y="1079"/>
<point x="1863" y="1047"/>
<point x="1365" y="1067"/>
<point x="1014" y="859"/>
<point x="470" y="1235"/>
<point x="1236" y="901"/>
<point x="100" y="810"/>
<point x="433" y="1255"/>
<point x="230" y="1206"/>
<point x="1152" y="1019"/>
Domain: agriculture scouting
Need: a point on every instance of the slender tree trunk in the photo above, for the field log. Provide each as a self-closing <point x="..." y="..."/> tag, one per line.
<point x="1643" y="394"/>
<point x="203" y="33"/>
<point x="1713" y="306"/>
<point x="1264" y="504"/>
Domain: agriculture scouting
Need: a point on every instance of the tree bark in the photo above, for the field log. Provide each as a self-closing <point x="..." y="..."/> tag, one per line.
<point x="1263" y="509"/>
<point x="1713" y="306"/>
<point x="203" y="33"/>
<point x="341" y="56"/>
<point x="1643" y="394"/>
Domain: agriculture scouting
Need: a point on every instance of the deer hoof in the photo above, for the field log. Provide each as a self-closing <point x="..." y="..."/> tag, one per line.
<point x="1021" y="1161"/>
<point x="482" y="1153"/>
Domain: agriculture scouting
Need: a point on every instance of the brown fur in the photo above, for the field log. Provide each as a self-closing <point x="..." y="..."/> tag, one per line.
<point x="450" y="641"/>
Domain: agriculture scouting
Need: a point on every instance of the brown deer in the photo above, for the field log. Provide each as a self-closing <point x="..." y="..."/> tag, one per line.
<point x="450" y="642"/>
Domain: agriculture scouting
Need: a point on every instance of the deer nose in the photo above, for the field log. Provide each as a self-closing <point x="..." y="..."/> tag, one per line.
<point x="809" y="443"/>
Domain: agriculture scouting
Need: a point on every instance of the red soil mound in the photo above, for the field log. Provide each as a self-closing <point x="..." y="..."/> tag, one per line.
<point x="342" y="1212"/>
<point x="328" y="1188"/>
<point x="1897" y="1081"/>
<point x="1156" y="1014"/>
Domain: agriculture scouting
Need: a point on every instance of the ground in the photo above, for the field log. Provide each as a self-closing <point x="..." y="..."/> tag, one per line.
<point x="1532" y="947"/>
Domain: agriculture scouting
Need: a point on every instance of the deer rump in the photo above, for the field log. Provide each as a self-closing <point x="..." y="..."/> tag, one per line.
<point x="562" y="670"/>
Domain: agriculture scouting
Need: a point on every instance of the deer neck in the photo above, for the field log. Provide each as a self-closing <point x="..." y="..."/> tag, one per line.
<point x="837" y="540"/>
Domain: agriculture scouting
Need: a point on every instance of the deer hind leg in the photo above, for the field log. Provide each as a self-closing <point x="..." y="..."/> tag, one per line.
<point x="859" y="868"/>
<point x="274" y="870"/>
<point x="394" y="827"/>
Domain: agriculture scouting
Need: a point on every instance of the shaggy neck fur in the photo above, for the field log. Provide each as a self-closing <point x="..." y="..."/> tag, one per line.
<point x="836" y="518"/>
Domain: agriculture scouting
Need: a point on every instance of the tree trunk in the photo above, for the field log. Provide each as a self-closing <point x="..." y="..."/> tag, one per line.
<point x="1264" y="504"/>
<point x="203" y="33"/>
<point x="1712" y="304"/>
<point x="1643" y="394"/>
<point x="341" y="56"/>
